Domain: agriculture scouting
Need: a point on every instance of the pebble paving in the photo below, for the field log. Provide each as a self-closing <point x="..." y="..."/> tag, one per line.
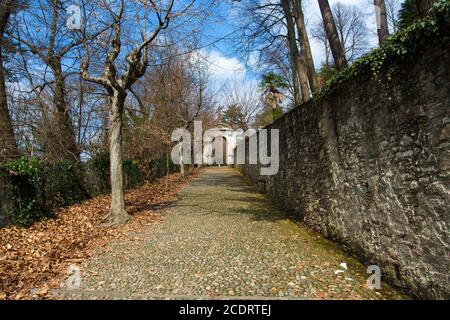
<point x="222" y="239"/>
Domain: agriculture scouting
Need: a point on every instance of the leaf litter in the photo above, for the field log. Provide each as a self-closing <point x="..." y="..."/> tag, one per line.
<point x="37" y="257"/>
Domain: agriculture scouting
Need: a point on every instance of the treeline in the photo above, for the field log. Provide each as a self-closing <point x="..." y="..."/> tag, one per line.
<point x="112" y="80"/>
<point x="275" y="34"/>
<point x="90" y="95"/>
<point x="275" y="37"/>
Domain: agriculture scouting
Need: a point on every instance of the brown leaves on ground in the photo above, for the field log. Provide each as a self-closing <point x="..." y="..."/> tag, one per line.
<point x="38" y="257"/>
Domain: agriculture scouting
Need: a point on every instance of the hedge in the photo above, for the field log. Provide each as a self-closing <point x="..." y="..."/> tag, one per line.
<point x="30" y="188"/>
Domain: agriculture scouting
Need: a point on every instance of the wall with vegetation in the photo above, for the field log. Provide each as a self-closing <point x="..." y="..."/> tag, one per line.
<point x="367" y="164"/>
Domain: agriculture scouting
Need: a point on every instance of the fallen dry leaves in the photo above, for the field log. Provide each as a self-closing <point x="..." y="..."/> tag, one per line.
<point x="38" y="257"/>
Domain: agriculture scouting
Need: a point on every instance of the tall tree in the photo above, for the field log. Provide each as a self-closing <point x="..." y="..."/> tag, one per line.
<point x="351" y="28"/>
<point x="300" y="73"/>
<point x="392" y="12"/>
<point x="336" y="46"/>
<point x="268" y="37"/>
<point x="124" y="63"/>
<point x="382" y="21"/>
<point x="305" y="46"/>
<point x="42" y="31"/>
<point x="8" y="146"/>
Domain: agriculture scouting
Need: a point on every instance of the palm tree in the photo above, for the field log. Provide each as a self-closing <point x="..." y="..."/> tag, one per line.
<point x="272" y="85"/>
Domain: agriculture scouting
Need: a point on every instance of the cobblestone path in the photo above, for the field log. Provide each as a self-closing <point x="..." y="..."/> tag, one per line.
<point x="223" y="239"/>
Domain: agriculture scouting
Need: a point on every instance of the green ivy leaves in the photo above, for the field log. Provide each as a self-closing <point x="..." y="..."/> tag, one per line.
<point x="22" y="167"/>
<point x="396" y="48"/>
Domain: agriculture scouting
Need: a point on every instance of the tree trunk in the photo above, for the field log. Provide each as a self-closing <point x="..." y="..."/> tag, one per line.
<point x="327" y="54"/>
<point x="423" y="6"/>
<point x="303" y="77"/>
<point x="336" y="46"/>
<point x="66" y="132"/>
<point x="382" y="22"/>
<point x="118" y="214"/>
<point x="297" y="59"/>
<point x="167" y="168"/>
<point x="105" y="129"/>
<point x="80" y="111"/>
<point x="8" y="146"/>
<point x="305" y="47"/>
<point x="181" y="165"/>
<point x="295" y="81"/>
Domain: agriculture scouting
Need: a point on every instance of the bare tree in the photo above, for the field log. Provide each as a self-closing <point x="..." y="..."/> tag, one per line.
<point x="118" y="84"/>
<point x="382" y="21"/>
<point x="173" y="95"/>
<point x="272" y="24"/>
<point x="8" y="146"/>
<point x="319" y="33"/>
<point x="351" y="29"/>
<point x="336" y="45"/>
<point x="298" y="60"/>
<point x="305" y="46"/>
<point x="392" y="9"/>
<point x="241" y="102"/>
<point x="121" y="59"/>
<point x="42" y="30"/>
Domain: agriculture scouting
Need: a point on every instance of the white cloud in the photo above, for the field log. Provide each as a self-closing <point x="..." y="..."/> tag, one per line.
<point x="223" y="68"/>
<point x="226" y="72"/>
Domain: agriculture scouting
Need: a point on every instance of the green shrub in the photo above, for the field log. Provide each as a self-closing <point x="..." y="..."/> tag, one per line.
<point x="36" y="187"/>
<point x="30" y="188"/>
<point x="158" y="167"/>
<point x="64" y="183"/>
<point x="132" y="174"/>
<point x="98" y="166"/>
<point x="26" y="184"/>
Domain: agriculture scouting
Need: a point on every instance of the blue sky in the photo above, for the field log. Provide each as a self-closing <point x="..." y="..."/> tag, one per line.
<point x="227" y="64"/>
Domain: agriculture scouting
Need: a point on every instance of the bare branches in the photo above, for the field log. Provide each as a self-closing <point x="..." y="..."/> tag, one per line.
<point x="136" y="59"/>
<point x="351" y="30"/>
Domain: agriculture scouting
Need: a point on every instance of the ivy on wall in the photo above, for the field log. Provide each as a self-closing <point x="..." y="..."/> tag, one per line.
<point x="397" y="48"/>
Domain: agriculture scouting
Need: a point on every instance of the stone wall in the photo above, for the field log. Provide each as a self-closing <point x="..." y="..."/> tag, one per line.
<point x="368" y="166"/>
